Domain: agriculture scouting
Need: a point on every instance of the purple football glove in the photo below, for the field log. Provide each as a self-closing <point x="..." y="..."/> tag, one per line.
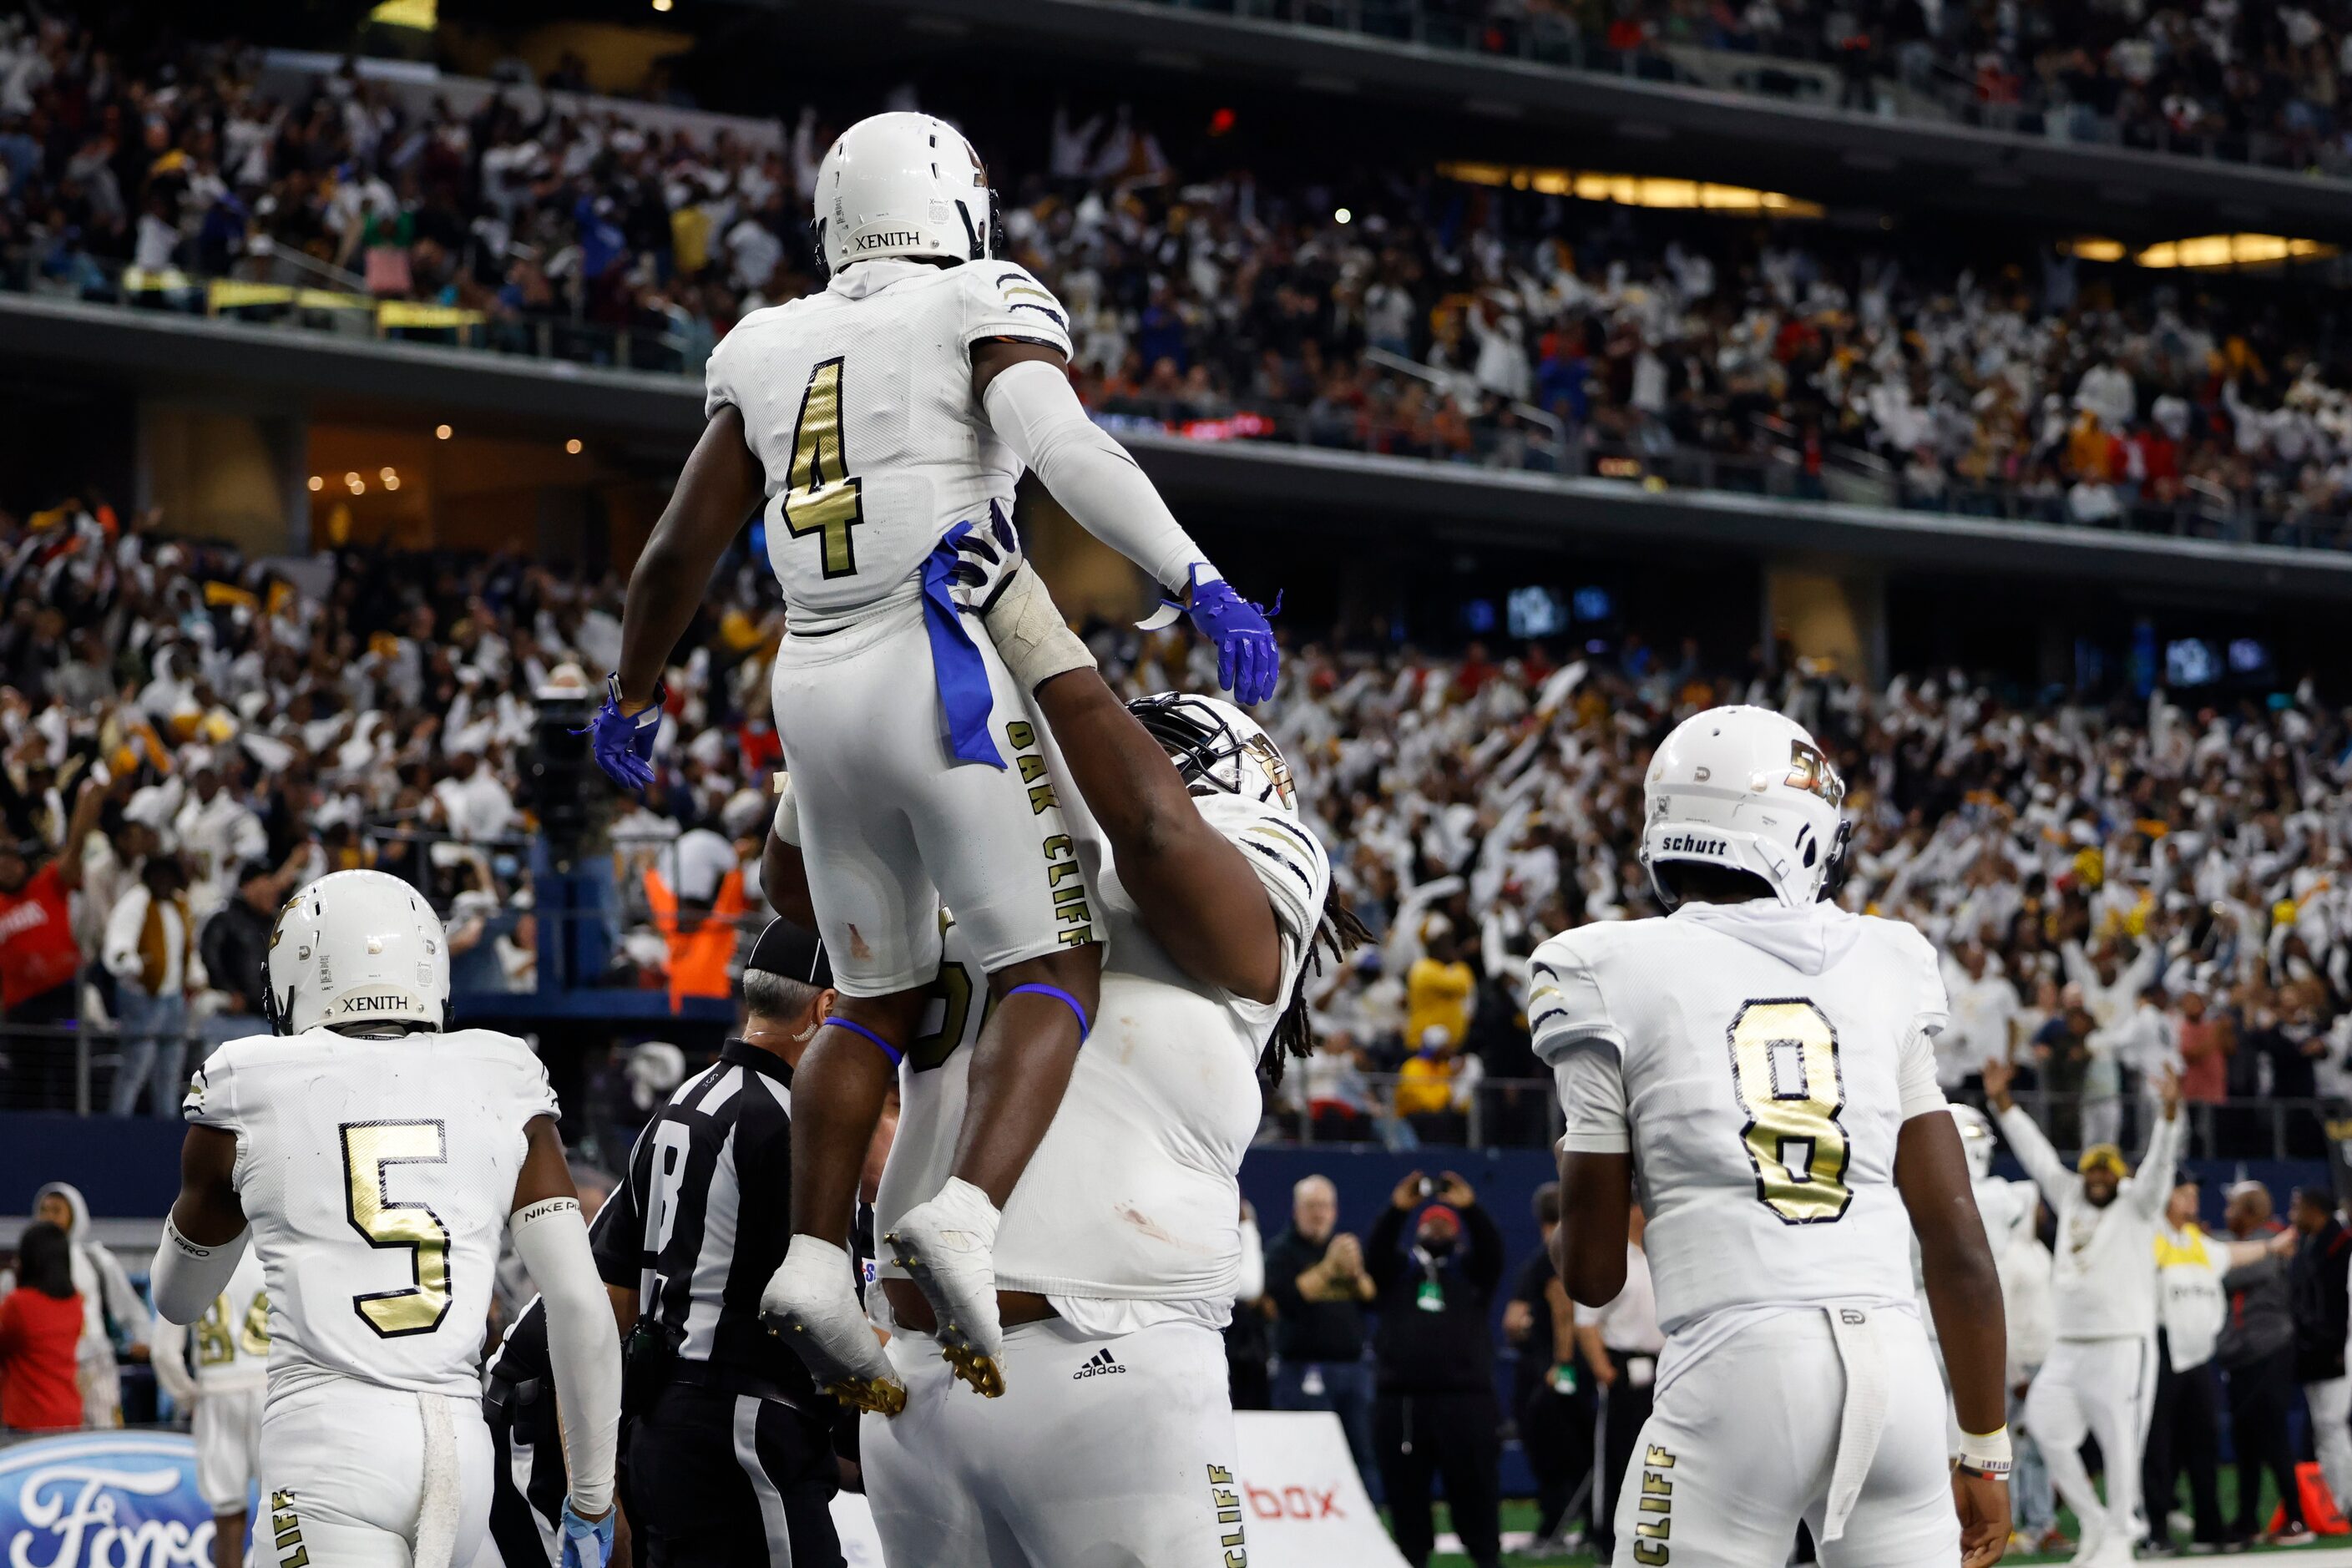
<point x="624" y="743"/>
<point x="1248" y="660"/>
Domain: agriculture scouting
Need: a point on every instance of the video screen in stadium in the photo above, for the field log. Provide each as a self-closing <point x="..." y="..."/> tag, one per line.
<point x="1430" y="782"/>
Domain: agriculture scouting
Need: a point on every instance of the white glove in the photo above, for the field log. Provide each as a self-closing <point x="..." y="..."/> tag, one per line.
<point x="992" y="581"/>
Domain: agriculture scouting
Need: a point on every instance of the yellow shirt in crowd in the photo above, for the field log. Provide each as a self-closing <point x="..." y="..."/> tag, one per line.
<point x="1437" y="993"/>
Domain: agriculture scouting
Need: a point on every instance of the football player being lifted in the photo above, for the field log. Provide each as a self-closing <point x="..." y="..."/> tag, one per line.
<point x="882" y="419"/>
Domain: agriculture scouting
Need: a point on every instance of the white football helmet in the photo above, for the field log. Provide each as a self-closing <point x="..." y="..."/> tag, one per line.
<point x="1217" y="748"/>
<point x="1976" y="1139"/>
<point x="902" y="185"/>
<point x="1745" y="788"/>
<point x="357" y="947"/>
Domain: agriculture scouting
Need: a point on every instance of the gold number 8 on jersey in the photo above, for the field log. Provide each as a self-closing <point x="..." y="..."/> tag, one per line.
<point x="369" y="1147"/>
<point x="820" y="496"/>
<point x="1784" y="1058"/>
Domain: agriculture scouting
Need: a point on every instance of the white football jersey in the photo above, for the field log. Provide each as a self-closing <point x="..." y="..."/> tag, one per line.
<point x="1758" y="1062"/>
<point x="1134" y="1194"/>
<point x="231" y="1341"/>
<point x="858" y="403"/>
<point x="378" y="1176"/>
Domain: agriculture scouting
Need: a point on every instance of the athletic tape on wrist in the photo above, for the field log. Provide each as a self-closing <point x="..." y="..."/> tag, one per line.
<point x="1984" y="1454"/>
<point x="837" y="1022"/>
<point x="1041" y="989"/>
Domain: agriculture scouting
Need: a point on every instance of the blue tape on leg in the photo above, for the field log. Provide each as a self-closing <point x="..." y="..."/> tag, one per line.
<point x="1042" y="989"/>
<point x="837" y="1022"/>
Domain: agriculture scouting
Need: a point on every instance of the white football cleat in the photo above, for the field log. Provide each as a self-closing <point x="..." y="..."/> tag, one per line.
<point x="810" y="1304"/>
<point x="946" y="1247"/>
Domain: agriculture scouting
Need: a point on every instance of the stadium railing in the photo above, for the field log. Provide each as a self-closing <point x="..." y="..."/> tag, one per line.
<point x="1524" y="1113"/>
<point x="285" y="290"/>
<point x="73" y="1069"/>
<point x="1495" y="434"/>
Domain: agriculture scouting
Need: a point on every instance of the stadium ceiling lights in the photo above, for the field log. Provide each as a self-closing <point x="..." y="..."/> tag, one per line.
<point x="2209" y="250"/>
<point x="424" y="15"/>
<point x="1633" y="190"/>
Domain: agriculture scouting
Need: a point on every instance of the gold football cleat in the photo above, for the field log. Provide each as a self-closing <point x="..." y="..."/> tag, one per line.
<point x="877" y="1394"/>
<point x="981" y="1372"/>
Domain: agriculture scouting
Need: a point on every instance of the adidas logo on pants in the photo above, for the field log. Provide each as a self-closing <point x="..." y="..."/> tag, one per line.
<point x="1099" y="1364"/>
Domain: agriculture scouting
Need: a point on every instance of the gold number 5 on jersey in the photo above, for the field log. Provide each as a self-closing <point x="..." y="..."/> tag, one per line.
<point x="1784" y="1059"/>
<point x="369" y="1147"/>
<point x="819" y="495"/>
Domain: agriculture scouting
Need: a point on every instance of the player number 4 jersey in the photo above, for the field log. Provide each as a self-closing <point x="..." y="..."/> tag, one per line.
<point x="1758" y="1063"/>
<point x="858" y="403"/>
<point x="378" y="1176"/>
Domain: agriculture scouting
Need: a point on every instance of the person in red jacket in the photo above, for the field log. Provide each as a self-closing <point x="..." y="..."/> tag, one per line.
<point x="41" y="1324"/>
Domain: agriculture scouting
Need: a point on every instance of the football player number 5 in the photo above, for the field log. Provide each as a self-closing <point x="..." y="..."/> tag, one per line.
<point x="820" y="497"/>
<point x="1784" y="1056"/>
<point x="371" y="1150"/>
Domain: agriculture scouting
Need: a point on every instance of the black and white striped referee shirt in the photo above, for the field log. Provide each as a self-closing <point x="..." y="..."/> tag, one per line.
<point x="707" y="1213"/>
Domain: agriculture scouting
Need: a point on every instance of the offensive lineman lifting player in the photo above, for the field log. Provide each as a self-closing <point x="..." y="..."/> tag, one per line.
<point x="884" y="419"/>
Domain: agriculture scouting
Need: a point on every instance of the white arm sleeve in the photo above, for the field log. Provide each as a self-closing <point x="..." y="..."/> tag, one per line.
<point x="188" y="1278"/>
<point x="2058" y="1184"/>
<point x="2152" y="1183"/>
<point x="583" y="1348"/>
<point x="1033" y="410"/>
<point x="1591" y="1081"/>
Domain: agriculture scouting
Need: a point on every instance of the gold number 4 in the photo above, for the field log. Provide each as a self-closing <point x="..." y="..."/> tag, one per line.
<point x="819" y="495"/>
<point x="1784" y="1058"/>
<point x="369" y="1147"/>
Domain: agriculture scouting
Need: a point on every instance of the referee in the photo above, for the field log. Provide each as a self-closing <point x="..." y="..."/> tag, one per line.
<point x="730" y="1461"/>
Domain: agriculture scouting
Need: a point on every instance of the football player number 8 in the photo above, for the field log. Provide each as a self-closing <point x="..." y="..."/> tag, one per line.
<point x="1784" y="1058"/>
<point x="820" y="497"/>
<point x="371" y="1151"/>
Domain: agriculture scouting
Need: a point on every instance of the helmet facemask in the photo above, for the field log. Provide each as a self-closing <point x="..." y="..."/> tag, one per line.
<point x="1217" y="748"/>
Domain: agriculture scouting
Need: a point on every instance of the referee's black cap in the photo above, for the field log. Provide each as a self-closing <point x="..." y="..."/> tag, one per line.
<point x="794" y="951"/>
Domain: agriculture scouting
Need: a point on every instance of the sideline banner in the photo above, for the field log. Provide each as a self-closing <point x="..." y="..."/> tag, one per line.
<point x="1302" y="1501"/>
<point x="128" y="1500"/>
<point x="1297" y="1499"/>
<point x="103" y="1500"/>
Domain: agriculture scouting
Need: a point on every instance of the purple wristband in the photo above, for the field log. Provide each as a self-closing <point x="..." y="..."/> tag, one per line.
<point x="1041" y="989"/>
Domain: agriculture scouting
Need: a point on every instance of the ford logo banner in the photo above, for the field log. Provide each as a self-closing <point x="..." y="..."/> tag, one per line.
<point x="103" y="1500"/>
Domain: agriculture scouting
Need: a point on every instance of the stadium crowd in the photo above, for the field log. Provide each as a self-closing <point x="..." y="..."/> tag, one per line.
<point x="1549" y="334"/>
<point x="2248" y="83"/>
<point x="187" y="736"/>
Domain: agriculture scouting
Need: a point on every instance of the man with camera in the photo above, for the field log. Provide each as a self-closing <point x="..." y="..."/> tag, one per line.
<point x="1433" y="1407"/>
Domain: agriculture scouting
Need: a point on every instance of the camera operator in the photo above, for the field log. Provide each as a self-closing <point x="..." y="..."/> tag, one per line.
<point x="1433" y="1407"/>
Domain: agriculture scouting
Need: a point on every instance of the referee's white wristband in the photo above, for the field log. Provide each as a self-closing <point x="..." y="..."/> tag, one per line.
<point x="1984" y="1454"/>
